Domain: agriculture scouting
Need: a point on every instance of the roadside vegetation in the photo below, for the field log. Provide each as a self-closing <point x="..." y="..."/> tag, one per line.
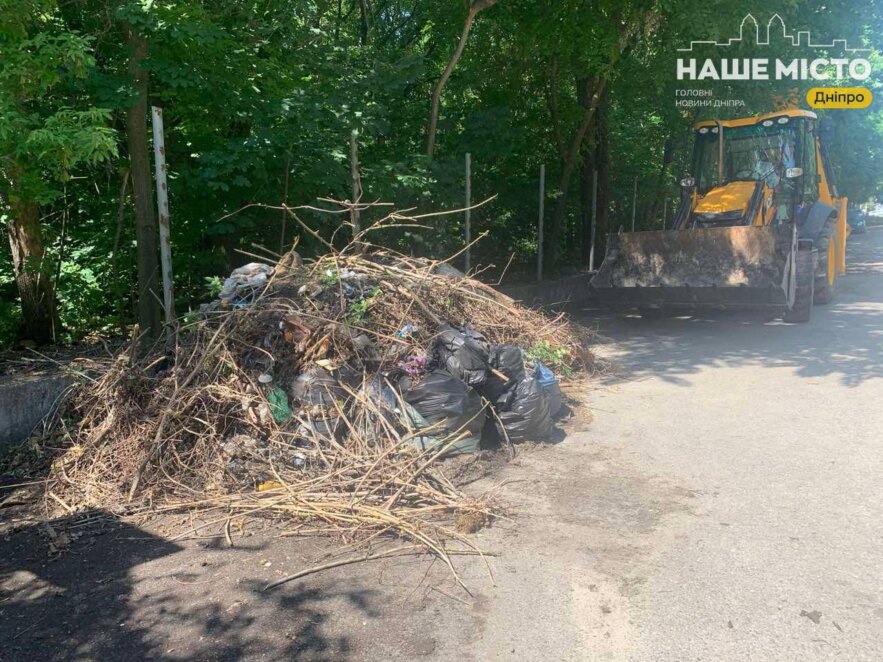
<point x="260" y="101"/>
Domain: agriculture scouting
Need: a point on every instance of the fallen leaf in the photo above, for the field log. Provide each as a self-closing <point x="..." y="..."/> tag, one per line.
<point x="814" y="615"/>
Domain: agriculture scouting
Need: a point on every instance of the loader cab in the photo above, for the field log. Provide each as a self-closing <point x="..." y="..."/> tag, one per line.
<point x="752" y="171"/>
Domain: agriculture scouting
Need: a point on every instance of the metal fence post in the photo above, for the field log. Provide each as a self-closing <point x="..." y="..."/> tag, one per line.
<point x="468" y="213"/>
<point x="165" y="234"/>
<point x="594" y="218"/>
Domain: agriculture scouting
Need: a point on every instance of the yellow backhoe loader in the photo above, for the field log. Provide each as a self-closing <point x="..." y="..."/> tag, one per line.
<point x="760" y="224"/>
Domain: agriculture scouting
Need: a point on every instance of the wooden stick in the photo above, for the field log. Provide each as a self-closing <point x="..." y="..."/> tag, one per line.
<point x="405" y="549"/>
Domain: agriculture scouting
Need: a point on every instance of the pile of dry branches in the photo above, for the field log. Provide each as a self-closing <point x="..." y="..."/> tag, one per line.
<point x="202" y="429"/>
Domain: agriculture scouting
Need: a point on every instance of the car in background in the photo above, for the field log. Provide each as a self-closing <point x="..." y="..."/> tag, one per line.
<point x="856" y="218"/>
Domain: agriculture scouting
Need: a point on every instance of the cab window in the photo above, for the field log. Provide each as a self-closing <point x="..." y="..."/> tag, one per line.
<point x="810" y="164"/>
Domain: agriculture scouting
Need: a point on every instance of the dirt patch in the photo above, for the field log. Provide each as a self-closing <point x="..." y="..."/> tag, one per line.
<point x="463" y="470"/>
<point x="121" y="590"/>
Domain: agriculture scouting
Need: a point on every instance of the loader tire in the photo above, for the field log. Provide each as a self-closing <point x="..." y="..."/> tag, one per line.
<point x="826" y="272"/>
<point x="801" y="311"/>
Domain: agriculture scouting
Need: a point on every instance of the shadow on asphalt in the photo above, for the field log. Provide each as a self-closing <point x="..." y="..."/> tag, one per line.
<point x="68" y="590"/>
<point x="844" y="338"/>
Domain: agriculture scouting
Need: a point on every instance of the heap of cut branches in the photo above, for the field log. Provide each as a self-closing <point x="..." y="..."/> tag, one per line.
<point x="218" y="426"/>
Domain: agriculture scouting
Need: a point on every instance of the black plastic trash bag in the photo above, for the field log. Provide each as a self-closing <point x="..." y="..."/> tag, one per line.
<point x="318" y="394"/>
<point x="551" y="386"/>
<point x="463" y="354"/>
<point x="505" y="360"/>
<point x="524" y="412"/>
<point x="317" y="387"/>
<point x="452" y="407"/>
<point x="320" y="429"/>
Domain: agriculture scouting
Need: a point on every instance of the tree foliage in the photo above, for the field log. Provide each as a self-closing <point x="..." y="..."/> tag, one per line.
<point x="260" y="99"/>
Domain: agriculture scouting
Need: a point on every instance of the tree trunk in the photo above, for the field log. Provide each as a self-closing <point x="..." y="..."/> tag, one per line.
<point x="551" y="91"/>
<point x="658" y="193"/>
<point x="602" y="163"/>
<point x="365" y="23"/>
<point x="557" y="225"/>
<point x="232" y="257"/>
<point x="32" y="275"/>
<point x="149" y="295"/>
<point x="632" y="29"/>
<point x="475" y="7"/>
<point x="586" y="167"/>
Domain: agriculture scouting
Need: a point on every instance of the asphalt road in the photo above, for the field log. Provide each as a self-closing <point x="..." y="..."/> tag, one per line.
<point x="724" y="502"/>
<point x="727" y="501"/>
<point x="778" y="429"/>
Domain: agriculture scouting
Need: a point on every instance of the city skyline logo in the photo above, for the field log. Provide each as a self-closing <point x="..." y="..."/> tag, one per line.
<point x="775" y="26"/>
<point x="847" y="63"/>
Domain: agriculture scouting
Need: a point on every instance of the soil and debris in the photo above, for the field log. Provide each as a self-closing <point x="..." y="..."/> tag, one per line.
<point x="324" y="394"/>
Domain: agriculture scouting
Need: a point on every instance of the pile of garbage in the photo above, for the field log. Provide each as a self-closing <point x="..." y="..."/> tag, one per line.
<point x="324" y="392"/>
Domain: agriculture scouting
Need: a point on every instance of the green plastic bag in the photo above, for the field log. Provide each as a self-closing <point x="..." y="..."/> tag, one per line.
<point x="278" y="401"/>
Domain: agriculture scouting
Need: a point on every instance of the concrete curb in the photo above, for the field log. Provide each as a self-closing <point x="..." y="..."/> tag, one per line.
<point x="24" y="401"/>
<point x="570" y="290"/>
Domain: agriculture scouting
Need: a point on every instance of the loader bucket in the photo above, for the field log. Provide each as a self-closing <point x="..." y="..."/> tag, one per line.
<point x="742" y="266"/>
